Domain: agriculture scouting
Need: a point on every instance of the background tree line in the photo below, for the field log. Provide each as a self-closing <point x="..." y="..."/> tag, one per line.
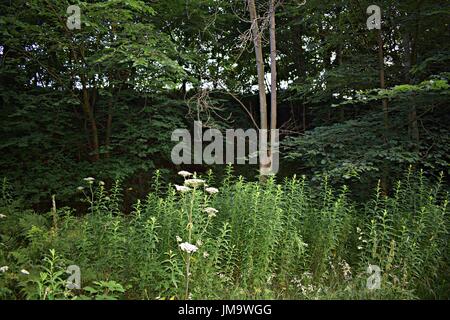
<point x="354" y="104"/>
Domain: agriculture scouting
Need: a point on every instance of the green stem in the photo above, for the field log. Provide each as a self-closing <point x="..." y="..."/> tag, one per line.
<point x="188" y="260"/>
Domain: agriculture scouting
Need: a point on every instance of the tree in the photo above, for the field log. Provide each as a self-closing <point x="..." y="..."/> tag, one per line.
<point x="266" y="162"/>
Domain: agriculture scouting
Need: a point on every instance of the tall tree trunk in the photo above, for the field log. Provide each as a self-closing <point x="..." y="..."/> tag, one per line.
<point x="89" y="113"/>
<point x="273" y="68"/>
<point x="273" y="82"/>
<point x="114" y="98"/>
<point x="256" y="35"/>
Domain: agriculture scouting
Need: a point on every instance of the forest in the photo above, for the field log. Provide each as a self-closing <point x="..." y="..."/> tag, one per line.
<point x="337" y="187"/>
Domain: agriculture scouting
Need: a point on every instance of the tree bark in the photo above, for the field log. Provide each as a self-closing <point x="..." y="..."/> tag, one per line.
<point x="273" y="82"/>
<point x="273" y="68"/>
<point x="89" y="113"/>
<point x="256" y="35"/>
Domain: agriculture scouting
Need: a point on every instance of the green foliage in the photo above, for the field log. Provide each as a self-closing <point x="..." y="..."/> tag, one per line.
<point x="359" y="148"/>
<point x="103" y="100"/>
<point x="292" y="240"/>
<point x="77" y="82"/>
<point x="103" y="290"/>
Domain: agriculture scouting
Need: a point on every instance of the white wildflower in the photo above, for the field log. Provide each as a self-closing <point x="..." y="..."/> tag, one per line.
<point x="199" y="243"/>
<point x="360" y="247"/>
<point x="210" y="210"/>
<point x="212" y="190"/>
<point x="179" y="239"/>
<point x="182" y="189"/>
<point x="4" y="269"/>
<point x="101" y="183"/>
<point x="187" y="247"/>
<point x="184" y="174"/>
<point x="205" y="254"/>
<point x="89" y="180"/>
<point x="23" y="271"/>
<point x="194" y="182"/>
<point x="358" y="229"/>
<point x="80" y="188"/>
<point x="2" y="216"/>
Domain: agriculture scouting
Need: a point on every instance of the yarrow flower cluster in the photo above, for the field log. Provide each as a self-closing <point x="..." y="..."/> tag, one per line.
<point x="184" y="174"/>
<point x="4" y="269"/>
<point x="212" y="190"/>
<point x="90" y="180"/>
<point x="182" y="189"/>
<point x="211" y="212"/>
<point x="191" y="183"/>
<point x="2" y="216"/>
<point x="194" y="183"/>
<point x="187" y="247"/>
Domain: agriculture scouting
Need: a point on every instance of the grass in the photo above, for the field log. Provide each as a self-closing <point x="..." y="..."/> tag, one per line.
<point x="288" y="240"/>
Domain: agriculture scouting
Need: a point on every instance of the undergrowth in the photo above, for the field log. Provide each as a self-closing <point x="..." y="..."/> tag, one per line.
<point x="243" y="240"/>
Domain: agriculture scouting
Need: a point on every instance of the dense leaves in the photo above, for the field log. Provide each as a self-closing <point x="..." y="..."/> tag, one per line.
<point x="356" y="107"/>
